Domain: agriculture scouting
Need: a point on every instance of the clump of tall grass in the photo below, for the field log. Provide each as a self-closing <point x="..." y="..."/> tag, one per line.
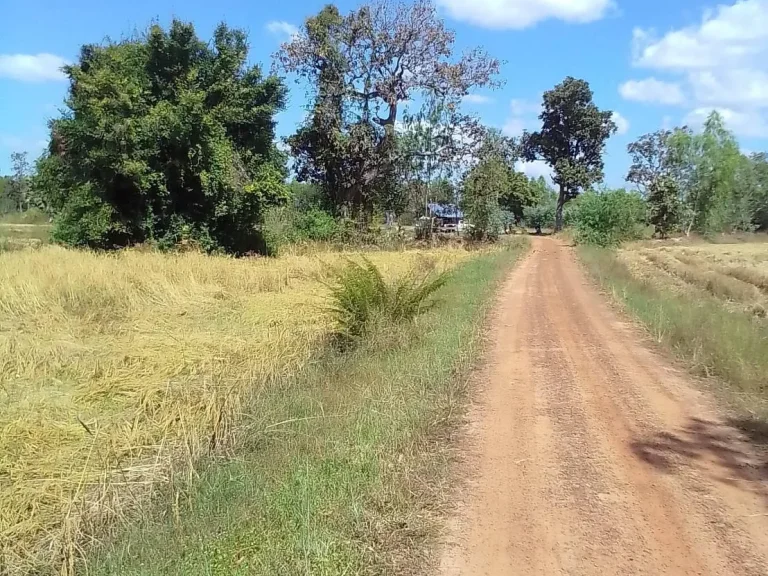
<point x="362" y="298"/>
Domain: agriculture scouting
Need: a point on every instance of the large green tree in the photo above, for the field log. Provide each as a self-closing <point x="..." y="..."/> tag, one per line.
<point x="166" y="138"/>
<point x="713" y="177"/>
<point x="572" y="139"/>
<point x="360" y="69"/>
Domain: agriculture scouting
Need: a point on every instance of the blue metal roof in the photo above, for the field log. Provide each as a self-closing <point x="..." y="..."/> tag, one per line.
<point x="445" y="211"/>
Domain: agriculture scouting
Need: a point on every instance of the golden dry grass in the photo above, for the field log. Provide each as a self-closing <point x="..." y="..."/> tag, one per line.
<point x="119" y="370"/>
<point x="737" y="274"/>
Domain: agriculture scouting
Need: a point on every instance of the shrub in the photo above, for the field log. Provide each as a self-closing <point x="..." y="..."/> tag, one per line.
<point x="166" y="137"/>
<point x="315" y="224"/>
<point x="609" y="218"/>
<point x="362" y="298"/>
<point x="285" y="225"/>
<point x="539" y="216"/>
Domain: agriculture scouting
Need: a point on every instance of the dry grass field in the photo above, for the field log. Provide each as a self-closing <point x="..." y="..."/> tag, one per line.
<point x="737" y="274"/>
<point x="119" y="370"/>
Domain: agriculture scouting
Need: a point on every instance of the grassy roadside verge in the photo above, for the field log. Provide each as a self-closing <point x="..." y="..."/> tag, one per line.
<point x="731" y="346"/>
<point x="339" y="469"/>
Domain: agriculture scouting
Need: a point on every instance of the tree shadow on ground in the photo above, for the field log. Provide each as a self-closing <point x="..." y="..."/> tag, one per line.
<point x="734" y="452"/>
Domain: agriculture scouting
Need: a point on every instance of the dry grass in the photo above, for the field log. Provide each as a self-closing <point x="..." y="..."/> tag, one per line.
<point x="119" y="371"/>
<point x="737" y="274"/>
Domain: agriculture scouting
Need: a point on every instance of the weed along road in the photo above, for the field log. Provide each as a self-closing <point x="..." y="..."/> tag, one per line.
<point x="589" y="453"/>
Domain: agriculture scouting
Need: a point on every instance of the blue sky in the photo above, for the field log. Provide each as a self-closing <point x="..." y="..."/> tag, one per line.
<point x="656" y="63"/>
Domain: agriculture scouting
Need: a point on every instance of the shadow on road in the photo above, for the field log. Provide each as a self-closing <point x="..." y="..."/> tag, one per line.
<point x="734" y="453"/>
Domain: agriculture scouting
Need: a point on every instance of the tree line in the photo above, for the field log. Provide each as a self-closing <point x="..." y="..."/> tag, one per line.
<point x="170" y="139"/>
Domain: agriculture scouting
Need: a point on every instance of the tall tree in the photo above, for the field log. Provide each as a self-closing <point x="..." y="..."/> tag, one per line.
<point x="572" y="139"/>
<point x="361" y="68"/>
<point x="663" y="205"/>
<point x="18" y="186"/>
<point x="166" y="137"/>
<point x="432" y="146"/>
<point x="483" y="186"/>
<point x="650" y="159"/>
<point x="706" y="167"/>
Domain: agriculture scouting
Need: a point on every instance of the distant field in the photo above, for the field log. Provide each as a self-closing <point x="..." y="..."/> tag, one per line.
<point x="27" y="229"/>
<point x="737" y="274"/>
<point x="113" y="367"/>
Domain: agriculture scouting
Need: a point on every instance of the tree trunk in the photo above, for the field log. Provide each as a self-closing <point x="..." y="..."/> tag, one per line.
<point x="559" y="212"/>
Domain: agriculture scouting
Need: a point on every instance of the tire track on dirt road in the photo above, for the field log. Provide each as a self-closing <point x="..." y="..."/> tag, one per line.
<point x="590" y="454"/>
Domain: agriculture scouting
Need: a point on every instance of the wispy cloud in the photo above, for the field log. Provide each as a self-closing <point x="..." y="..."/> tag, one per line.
<point x="32" y="67"/>
<point x="477" y="99"/>
<point x="281" y="28"/>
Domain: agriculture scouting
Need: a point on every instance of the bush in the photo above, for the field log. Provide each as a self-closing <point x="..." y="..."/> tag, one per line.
<point x="539" y="216"/>
<point x="362" y="298"/>
<point x="284" y="225"/>
<point x="167" y="137"/>
<point x="609" y="218"/>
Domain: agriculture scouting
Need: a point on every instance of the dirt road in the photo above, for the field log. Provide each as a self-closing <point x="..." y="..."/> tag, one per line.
<point x="590" y="454"/>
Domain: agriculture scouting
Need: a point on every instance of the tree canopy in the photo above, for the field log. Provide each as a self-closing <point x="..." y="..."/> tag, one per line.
<point x="360" y="68"/>
<point x="165" y="138"/>
<point x="572" y="139"/>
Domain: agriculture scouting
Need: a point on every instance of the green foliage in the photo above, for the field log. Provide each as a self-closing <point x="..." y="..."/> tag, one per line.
<point x="284" y="225"/>
<point x="572" y="139"/>
<point x="540" y="216"/>
<point x="609" y="218"/>
<point x="167" y="138"/>
<point x="362" y="298"/>
<point x="360" y="67"/>
<point x="483" y="186"/>
<point x="664" y="210"/>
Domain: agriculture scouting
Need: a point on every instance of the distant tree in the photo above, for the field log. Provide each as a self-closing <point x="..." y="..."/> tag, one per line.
<point x="572" y="140"/>
<point x="760" y="166"/>
<point x="361" y="68"/>
<point x="705" y="167"/>
<point x="431" y="147"/>
<point x="664" y="205"/>
<point x="650" y="159"/>
<point x="18" y="185"/>
<point x="166" y="138"/>
<point x="518" y="193"/>
<point x="483" y="186"/>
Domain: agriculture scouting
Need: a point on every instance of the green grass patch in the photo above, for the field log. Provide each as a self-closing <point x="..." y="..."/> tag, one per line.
<point x="340" y="469"/>
<point x="731" y="346"/>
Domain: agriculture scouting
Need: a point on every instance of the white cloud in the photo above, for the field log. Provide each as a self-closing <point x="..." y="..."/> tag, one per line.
<point x="652" y="90"/>
<point x="523" y="116"/>
<point x="535" y="169"/>
<point x="723" y="61"/>
<point x="281" y="28"/>
<point x="730" y="87"/>
<point x="622" y="124"/>
<point x="749" y="123"/>
<point x="516" y="14"/>
<point x="477" y="99"/>
<point x="730" y="33"/>
<point x="32" y="67"/>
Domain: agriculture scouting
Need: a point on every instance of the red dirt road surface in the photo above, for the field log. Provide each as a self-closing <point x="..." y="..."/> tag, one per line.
<point x="591" y="454"/>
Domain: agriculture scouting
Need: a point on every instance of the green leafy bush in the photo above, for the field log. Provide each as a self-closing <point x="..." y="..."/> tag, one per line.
<point x="539" y="216"/>
<point x="362" y="298"/>
<point x="609" y="218"/>
<point x="166" y="138"/>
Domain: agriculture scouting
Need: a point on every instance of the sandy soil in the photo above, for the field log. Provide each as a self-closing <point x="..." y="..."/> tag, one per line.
<point x="588" y="453"/>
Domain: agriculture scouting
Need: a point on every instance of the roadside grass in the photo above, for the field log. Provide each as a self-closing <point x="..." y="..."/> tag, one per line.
<point x="729" y="345"/>
<point x="118" y="372"/>
<point x="340" y="468"/>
